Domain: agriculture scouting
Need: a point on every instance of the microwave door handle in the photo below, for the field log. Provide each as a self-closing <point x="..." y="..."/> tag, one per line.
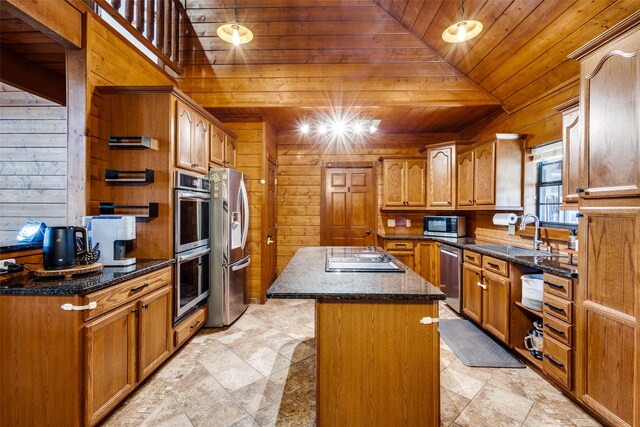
<point x="245" y="202"/>
<point x="241" y="266"/>
<point x="182" y="258"/>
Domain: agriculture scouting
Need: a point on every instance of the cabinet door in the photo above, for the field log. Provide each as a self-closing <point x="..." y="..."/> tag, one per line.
<point x="429" y="268"/>
<point x="230" y="152"/>
<point x="185" y="119"/>
<point x="440" y="180"/>
<point x="465" y="179"/>
<point x="485" y="175"/>
<point x="216" y="147"/>
<point x="110" y="360"/>
<point x="472" y="292"/>
<point x="155" y="330"/>
<point x="570" y="155"/>
<point x="495" y="316"/>
<point x="200" y="145"/>
<point x="415" y="177"/>
<point x="610" y="101"/>
<point x="608" y="313"/>
<point x="393" y="179"/>
<point x="404" y="257"/>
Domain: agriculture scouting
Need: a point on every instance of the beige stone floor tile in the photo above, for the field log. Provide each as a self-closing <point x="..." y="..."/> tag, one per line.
<point x="460" y="383"/>
<point x="167" y="413"/>
<point x="451" y="404"/>
<point x="247" y="421"/>
<point x="292" y="378"/>
<point x="494" y="403"/>
<point x="251" y="350"/>
<point x="270" y="363"/>
<point x="220" y="361"/>
<point x="258" y="395"/>
<point x="237" y="377"/>
<point x="288" y="413"/>
<point x="297" y="351"/>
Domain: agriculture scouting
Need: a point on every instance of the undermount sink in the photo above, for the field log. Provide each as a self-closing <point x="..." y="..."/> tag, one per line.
<point x="515" y="251"/>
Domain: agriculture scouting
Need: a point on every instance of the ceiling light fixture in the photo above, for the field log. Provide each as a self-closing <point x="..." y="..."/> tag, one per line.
<point x="338" y="125"/>
<point x="233" y="32"/>
<point x="462" y="30"/>
<point x="373" y="127"/>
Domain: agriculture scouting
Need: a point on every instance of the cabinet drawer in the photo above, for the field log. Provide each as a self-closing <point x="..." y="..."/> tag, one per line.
<point x="398" y="245"/>
<point x="558" y="307"/>
<point x="496" y="265"/>
<point x="558" y="329"/>
<point x="557" y="361"/>
<point x="116" y="295"/>
<point x="190" y="325"/>
<point x="558" y="286"/>
<point x="473" y="258"/>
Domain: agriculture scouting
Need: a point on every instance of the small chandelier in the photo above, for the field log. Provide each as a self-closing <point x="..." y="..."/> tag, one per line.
<point x="462" y="30"/>
<point x="233" y="32"/>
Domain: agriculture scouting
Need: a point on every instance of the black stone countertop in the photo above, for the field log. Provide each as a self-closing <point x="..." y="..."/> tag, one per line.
<point x="15" y="246"/>
<point x="79" y="285"/>
<point x="305" y="278"/>
<point x="549" y="265"/>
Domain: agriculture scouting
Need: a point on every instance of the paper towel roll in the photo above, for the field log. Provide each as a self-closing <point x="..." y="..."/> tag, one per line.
<point x="505" y="219"/>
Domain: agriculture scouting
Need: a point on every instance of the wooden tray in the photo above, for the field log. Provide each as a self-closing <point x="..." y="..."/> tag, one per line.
<point x="69" y="272"/>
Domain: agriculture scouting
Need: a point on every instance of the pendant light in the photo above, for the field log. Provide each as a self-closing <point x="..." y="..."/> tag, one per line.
<point x="233" y="32"/>
<point x="463" y="30"/>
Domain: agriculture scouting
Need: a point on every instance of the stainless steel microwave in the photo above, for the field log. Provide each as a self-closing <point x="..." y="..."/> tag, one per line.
<point x="445" y="226"/>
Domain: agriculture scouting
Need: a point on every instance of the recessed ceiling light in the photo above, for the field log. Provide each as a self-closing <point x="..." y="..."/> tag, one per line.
<point x="304" y="128"/>
<point x="322" y="129"/>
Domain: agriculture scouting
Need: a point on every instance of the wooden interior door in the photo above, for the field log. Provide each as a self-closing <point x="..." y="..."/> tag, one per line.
<point x="484" y="181"/>
<point x="270" y="229"/>
<point x="348" y="216"/>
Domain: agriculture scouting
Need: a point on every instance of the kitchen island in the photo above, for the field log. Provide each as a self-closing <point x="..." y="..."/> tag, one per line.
<point x="377" y="342"/>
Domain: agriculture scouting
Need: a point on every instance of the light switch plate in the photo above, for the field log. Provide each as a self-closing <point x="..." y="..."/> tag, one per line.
<point x="511" y="229"/>
<point x="408" y="223"/>
<point x="391" y="223"/>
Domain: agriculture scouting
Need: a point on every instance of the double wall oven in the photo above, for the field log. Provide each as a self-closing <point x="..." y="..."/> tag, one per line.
<point x="192" y="200"/>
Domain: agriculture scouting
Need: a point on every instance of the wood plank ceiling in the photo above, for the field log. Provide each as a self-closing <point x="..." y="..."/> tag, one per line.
<point x="386" y="59"/>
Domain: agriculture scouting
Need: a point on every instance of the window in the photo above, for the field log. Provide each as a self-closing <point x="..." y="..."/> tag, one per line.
<point x="549" y="197"/>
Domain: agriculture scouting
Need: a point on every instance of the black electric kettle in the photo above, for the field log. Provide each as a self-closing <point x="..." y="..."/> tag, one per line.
<point x="59" y="250"/>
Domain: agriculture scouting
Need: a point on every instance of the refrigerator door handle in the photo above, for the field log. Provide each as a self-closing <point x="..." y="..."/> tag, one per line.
<point x="241" y="266"/>
<point x="245" y="202"/>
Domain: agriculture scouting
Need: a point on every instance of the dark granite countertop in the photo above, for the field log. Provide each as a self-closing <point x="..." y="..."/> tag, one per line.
<point x="79" y="285"/>
<point x="549" y="265"/>
<point x="305" y="278"/>
<point x="15" y="246"/>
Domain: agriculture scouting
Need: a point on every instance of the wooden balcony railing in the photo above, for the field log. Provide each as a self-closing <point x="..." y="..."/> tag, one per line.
<point x="155" y="23"/>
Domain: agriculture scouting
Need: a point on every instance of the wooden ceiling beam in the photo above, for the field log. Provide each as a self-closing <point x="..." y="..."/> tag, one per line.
<point x="31" y="77"/>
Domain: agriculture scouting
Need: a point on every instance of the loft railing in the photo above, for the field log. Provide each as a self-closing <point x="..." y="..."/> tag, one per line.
<point x="155" y="23"/>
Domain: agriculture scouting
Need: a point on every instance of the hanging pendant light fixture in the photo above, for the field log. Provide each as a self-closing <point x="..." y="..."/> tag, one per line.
<point x="463" y="30"/>
<point x="233" y="32"/>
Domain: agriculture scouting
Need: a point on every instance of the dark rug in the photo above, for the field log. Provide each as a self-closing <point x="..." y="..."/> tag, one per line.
<point x="474" y="347"/>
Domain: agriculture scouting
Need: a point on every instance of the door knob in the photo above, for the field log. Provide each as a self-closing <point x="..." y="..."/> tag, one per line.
<point x="368" y="232"/>
<point x="269" y="240"/>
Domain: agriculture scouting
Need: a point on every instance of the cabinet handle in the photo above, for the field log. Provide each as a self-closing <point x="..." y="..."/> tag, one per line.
<point x="556" y="330"/>
<point x="194" y="325"/>
<point x="401" y="245"/>
<point x="492" y="265"/>
<point x="554" y="361"/>
<point x="145" y="306"/>
<point x="554" y="308"/>
<point x="579" y="190"/>
<point x="470" y="201"/>
<point x="135" y="311"/>
<point x="139" y="288"/>
<point x="470" y="258"/>
<point x="553" y="285"/>
<point x="579" y="215"/>
<point x="481" y="285"/>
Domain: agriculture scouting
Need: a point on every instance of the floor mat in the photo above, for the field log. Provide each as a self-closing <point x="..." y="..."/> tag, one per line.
<point x="474" y="347"/>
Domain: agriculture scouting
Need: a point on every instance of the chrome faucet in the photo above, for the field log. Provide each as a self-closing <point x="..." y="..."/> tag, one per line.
<point x="536" y="234"/>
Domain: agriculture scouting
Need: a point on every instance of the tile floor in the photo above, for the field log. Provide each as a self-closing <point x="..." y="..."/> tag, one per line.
<point x="261" y="372"/>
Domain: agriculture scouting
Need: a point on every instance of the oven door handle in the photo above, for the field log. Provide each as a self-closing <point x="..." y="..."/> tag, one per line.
<point x="183" y="195"/>
<point x="182" y="258"/>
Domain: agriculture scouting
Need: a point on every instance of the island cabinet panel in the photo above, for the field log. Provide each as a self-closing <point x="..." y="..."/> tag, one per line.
<point x="360" y="381"/>
<point x="441" y="179"/>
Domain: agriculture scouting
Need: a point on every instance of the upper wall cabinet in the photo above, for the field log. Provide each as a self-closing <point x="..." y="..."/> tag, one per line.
<point x="222" y="148"/>
<point x="192" y="139"/>
<point x="404" y="184"/>
<point x="230" y="152"/>
<point x="570" y="151"/>
<point x="610" y="97"/>
<point x="490" y="176"/>
<point x="441" y="179"/>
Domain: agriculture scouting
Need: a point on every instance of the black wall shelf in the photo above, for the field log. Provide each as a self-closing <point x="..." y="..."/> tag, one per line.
<point x="115" y="176"/>
<point x="132" y="142"/>
<point x="107" y="208"/>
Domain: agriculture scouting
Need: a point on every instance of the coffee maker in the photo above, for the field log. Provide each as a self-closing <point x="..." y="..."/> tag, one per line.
<point x="112" y="232"/>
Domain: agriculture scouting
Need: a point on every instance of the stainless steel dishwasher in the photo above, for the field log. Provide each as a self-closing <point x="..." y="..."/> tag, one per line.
<point x="451" y="276"/>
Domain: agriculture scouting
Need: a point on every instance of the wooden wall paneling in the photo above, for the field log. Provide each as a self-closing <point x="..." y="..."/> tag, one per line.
<point x="34" y="174"/>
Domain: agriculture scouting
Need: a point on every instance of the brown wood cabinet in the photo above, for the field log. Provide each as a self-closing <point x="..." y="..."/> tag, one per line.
<point x="192" y="139"/>
<point x="427" y="261"/>
<point x="92" y="361"/>
<point x="487" y="295"/>
<point x="607" y="372"/>
<point x="441" y="179"/>
<point x="404" y="184"/>
<point x="401" y="249"/>
<point x="489" y="176"/>
<point x="230" y="152"/>
<point x="570" y="151"/>
<point x="222" y="148"/>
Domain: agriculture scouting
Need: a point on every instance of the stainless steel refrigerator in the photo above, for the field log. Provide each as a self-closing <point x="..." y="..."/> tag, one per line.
<point x="229" y="256"/>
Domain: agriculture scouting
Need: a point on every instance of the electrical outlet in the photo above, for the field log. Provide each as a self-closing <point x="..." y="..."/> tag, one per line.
<point x="4" y="263"/>
<point x="391" y="223"/>
<point x="408" y="223"/>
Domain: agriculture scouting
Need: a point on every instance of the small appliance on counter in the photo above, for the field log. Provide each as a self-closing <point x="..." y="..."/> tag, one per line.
<point x="59" y="249"/>
<point x="534" y="340"/>
<point x="112" y="232"/>
<point x="445" y="226"/>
